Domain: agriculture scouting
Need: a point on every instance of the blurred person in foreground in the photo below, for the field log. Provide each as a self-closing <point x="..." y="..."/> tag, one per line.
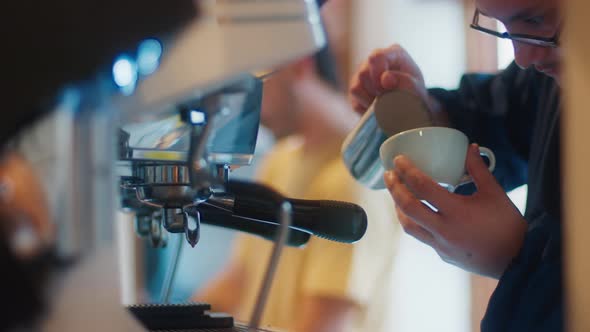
<point x="325" y="286"/>
<point x="26" y="238"/>
<point x="516" y="113"/>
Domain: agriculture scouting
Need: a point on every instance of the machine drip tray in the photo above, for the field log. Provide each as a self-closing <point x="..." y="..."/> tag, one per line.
<point x="237" y="328"/>
<point x="185" y="317"/>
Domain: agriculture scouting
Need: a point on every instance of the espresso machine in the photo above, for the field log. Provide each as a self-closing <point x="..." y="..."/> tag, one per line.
<point x="186" y="114"/>
<point x="180" y="138"/>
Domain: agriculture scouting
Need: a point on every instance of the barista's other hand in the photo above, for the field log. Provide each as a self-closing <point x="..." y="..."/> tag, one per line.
<point x="385" y="69"/>
<point x="480" y="233"/>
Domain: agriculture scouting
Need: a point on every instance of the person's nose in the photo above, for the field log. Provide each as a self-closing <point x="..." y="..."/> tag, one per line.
<point x="527" y="55"/>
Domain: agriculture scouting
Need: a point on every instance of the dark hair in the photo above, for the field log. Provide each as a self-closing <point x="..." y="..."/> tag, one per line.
<point x="325" y="65"/>
<point x="321" y="2"/>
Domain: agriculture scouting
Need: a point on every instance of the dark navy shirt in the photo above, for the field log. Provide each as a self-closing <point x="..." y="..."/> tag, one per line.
<point x="516" y="114"/>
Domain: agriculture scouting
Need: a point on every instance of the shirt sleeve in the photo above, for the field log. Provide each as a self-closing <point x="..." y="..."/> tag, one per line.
<point x="496" y="111"/>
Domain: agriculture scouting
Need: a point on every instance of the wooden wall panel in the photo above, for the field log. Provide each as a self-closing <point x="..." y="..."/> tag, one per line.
<point x="576" y="120"/>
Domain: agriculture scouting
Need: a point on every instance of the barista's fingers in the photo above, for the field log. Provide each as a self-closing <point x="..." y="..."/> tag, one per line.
<point x="407" y="203"/>
<point x="423" y="186"/>
<point x="413" y="229"/>
<point x="378" y="64"/>
<point x="400" y="60"/>
<point x="358" y="107"/>
<point x="365" y="80"/>
<point x="394" y="80"/>
<point x="481" y="175"/>
<point x="361" y="90"/>
<point x="360" y="98"/>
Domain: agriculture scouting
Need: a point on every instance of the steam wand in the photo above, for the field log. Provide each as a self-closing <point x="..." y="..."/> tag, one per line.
<point x="285" y="219"/>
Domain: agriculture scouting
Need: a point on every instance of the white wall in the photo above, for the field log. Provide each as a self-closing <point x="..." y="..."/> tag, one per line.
<point x="431" y="31"/>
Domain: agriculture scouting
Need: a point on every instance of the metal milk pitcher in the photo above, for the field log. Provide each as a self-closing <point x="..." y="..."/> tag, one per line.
<point x="390" y="113"/>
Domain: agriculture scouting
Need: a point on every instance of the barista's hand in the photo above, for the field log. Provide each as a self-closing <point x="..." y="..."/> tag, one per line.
<point x="481" y="233"/>
<point x="385" y="70"/>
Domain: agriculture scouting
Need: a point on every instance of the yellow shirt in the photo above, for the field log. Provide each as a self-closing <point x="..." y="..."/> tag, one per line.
<point x="361" y="272"/>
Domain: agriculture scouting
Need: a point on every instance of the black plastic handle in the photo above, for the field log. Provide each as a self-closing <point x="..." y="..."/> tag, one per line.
<point x="213" y="216"/>
<point x="332" y="220"/>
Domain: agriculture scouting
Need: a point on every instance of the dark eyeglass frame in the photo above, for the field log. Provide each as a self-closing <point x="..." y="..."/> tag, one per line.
<point x="522" y="38"/>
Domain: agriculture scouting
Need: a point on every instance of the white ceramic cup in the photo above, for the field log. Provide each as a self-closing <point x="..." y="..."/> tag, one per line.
<point x="439" y="152"/>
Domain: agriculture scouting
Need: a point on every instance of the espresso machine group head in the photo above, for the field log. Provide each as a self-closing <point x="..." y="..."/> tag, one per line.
<point x="170" y="166"/>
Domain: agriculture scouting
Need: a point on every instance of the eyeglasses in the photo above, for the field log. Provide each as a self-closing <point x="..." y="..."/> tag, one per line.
<point x="522" y="38"/>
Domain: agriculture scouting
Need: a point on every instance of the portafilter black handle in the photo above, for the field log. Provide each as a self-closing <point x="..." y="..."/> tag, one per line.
<point x="332" y="220"/>
<point x="213" y="216"/>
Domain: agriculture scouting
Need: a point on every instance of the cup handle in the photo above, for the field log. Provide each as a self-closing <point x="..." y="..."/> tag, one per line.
<point x="483" y="151"/>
